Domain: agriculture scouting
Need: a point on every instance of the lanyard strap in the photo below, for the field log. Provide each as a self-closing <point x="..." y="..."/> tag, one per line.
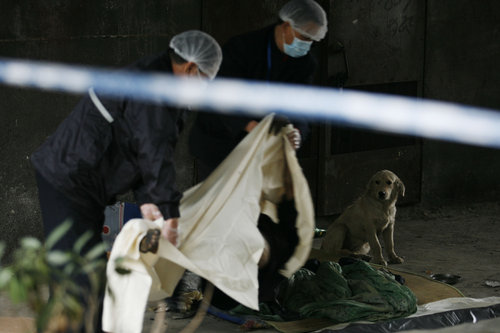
<point x="99" y="106"/>
<point x="269" y="64"/>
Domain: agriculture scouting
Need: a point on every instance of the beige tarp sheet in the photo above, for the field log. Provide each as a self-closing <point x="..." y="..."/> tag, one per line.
<point x="219" y="239"/>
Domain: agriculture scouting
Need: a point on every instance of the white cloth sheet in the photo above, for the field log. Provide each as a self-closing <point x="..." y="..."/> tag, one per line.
<point x="219" y="239"/>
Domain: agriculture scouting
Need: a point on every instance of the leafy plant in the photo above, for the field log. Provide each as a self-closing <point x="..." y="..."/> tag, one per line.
<point x="38" y="267"/>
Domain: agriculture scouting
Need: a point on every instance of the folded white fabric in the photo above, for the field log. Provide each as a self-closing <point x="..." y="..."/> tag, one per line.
<point x="219" y="239"/>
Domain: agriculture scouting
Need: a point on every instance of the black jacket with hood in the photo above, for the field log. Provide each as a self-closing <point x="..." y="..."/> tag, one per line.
<point x="92" y="161"/>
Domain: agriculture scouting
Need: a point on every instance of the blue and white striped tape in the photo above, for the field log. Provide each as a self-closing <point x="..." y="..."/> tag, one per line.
<point x="411" y="116"/>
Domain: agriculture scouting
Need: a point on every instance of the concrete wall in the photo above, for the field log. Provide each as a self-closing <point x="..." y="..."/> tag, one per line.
<point x="104" y="33"/>
<point x="452" y="49"/>
<point x="459" y="55"/>
<point x="462" y="62"/>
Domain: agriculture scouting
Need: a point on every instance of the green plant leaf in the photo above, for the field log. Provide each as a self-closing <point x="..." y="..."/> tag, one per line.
<point x="110" y="292"/>
<point x="57" y="233"/>
<point x="43" y="317"/>
<point x="120" y="260"/>
<point x="58" y="258"/>
<point x="96" y="251"/>
<point x="82" y="240"/>
<point x="31" y="243"/>
<point x="17" y="291"/>
<point x="74" y="305"/>
<point x="5" y="276"/>
<point x="119" y="266"/>
<point x="69" y="269"/>
<point x="2" y="250"/>
<point x="122" y="270"/>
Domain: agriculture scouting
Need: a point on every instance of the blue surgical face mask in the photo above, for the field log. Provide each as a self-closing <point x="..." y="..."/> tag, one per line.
<point x="298" y="48"/>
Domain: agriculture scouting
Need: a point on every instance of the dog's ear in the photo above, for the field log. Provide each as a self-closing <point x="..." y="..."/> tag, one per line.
<point x="401" y="187"/>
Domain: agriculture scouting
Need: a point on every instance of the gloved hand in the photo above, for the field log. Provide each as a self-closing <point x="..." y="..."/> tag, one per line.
<point x="295" y="138"/>
<point x="169" y="230"/>
<point x="278" y="123"/>
<point x="150" y="211"/>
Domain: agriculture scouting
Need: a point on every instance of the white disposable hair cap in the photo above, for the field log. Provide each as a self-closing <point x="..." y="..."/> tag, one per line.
<point x="307" y="17"/>
<point x="200" y="48"/>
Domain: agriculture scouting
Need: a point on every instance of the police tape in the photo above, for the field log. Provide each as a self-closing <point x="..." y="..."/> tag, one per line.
<point x="394" y="114"/>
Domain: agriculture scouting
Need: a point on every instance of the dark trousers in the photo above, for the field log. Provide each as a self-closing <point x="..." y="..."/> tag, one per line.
<point x="57" y="208"/>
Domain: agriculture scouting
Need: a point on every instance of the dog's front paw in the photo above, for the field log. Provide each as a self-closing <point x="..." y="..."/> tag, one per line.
<point x="380" y="261"/>
<point x="396" y="260"/>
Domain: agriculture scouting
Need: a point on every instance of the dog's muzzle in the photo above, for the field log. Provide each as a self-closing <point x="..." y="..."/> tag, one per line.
<point x="382" y="195"/>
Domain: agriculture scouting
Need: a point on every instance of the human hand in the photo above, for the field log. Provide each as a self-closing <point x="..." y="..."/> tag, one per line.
<point x="150" y="211"/>
<point x="251" y="125"/>
<point x="295" y="138"/>
<point x="170" y="231"/>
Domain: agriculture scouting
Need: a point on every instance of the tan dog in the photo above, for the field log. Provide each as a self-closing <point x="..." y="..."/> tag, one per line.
<point x="356" y="230"/>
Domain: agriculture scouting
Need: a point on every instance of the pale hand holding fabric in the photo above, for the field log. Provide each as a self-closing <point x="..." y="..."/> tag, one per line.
<point x="295" y="138"/>
<point x="219" y="239"/>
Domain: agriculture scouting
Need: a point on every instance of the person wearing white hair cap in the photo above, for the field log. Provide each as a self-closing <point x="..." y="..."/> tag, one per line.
<point x="109" y="146"/>
<point x="200" y="49"/>
<point x="276" y="53"/>
<point x="306" y="18"/>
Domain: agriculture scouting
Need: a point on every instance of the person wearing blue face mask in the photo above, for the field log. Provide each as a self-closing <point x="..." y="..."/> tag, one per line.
<point x="277" y="53"/>
<point x="298" y="48"/>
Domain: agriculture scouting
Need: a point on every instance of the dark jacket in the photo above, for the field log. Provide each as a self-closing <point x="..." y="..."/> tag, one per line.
<point x="213" y="136"/>
<point x="92" y="161"/>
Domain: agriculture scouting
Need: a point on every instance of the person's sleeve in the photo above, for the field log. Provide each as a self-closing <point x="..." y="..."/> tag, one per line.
<point x="155" y="134"/>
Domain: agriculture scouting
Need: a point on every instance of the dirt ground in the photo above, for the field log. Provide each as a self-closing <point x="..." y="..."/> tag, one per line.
<point x="461" y="240"/>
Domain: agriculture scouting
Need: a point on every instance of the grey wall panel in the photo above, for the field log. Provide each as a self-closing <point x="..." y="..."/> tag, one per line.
<point x="462" y="65"/>
<point x="455" y="174"/>
<point x="61" y="19"/>
<point x="463" y="52"/>
<point x="226" y="18"/>
<point x="383" y="39"/>
<point x="26" y="118"/>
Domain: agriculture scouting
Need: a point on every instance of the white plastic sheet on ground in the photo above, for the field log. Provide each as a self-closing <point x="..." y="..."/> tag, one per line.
<point x="219" y="239"/>
<point x="464" y="313"/>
